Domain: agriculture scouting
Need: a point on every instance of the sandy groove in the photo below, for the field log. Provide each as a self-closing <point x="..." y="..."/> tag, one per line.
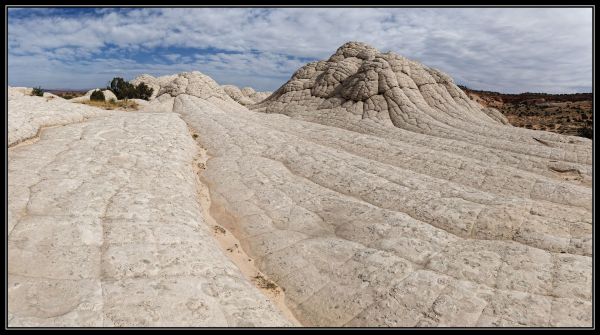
<point x="232" y="247"/>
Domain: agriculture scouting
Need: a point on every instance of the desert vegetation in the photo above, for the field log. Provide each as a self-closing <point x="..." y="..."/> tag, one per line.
<point x="67" y="94"/>
<point x="586" y="132"/>
<point x="126" y="104"/>
<point x="37" y="91"/>
<point x="366" y="191"/>
<point x="97" y="95"/>
<point x="125" y="90"/>
<point x="561" y="113"/>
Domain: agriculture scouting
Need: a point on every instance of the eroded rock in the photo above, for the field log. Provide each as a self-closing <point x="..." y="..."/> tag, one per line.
<point x="368" y="187"/>
<point x="104" y="228"/>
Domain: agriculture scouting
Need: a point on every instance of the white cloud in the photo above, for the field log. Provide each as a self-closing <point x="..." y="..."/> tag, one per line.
<point x="505" y="49"/>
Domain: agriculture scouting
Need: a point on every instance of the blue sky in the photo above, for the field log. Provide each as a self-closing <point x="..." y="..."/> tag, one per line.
<point x="502" y="49"/>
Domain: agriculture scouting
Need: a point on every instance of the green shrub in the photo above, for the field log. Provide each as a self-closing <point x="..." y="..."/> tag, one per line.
<point x="37" y="91"/>
<point x="143" y="91"/>
<point x="125" y="90"/>
<point x="97" y="95"/>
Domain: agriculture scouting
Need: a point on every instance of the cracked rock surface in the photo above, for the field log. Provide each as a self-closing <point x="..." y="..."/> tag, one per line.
<point x="105" y="228"/>
<point x="384" y="197"/>
<point x="245" y="96"/>
<point x="368" y="187"/>
<point x="27" y="114"/>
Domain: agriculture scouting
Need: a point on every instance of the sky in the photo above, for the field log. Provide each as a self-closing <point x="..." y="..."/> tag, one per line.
<point x="509" y="50"/>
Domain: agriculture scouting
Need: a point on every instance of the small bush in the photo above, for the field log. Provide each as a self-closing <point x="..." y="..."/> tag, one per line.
<point x="97" y="95"/>
<point x="37" y="91"/>
<point x="69" y="95"/>
<point x="125" y="90"/>
<point x="586" y="132"/>
<point x="143" y="91"/>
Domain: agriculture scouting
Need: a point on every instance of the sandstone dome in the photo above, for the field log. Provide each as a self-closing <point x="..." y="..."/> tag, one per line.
<point x="359" y="82"/>
<point x="246" y="96"/>
<point x="369" y="188"/>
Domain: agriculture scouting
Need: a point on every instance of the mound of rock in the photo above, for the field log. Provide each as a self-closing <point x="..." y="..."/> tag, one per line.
<point x="423" y="210"/>
<point x="153" y="82"/>
<point x="108" y="95"/>
<point x="360" y="83"/>
<point x="369" y="188"/>
<point x="199" y="85"/>
<point x="246" y="96"/>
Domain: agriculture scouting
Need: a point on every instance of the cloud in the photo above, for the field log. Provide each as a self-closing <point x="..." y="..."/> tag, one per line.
<point x="504" y="49"/>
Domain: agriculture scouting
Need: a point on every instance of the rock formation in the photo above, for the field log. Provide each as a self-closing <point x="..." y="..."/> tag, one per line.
<point x="369" y="187"/>
<point x="153" y="82"/>
<point x="105" y="228"/>
<point x="246" y="96"/>
<point x="108" y="95"/>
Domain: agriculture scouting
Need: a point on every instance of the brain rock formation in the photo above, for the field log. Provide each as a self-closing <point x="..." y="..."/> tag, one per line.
<point x="368" y="187"/>
<point x="245" y="96"/>
<point x="391" y="199"/>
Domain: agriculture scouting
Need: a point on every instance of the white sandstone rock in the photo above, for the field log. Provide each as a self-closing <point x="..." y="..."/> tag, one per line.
<point x="108" y="95"/>
<point x="369" y="187"/>
<point x="105" y="228"/>
<point x="246" y="96"/>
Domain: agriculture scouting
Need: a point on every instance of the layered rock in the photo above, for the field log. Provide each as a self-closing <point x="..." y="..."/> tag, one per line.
<point x="104" y="226"/>
<point x="28" y="114"/>
<point x="246" y="96"/>
<point x="360" y="83"/>
<point x="391" y="199"/>
<point x="153" y="82"/>
<point x="368" y="187"/>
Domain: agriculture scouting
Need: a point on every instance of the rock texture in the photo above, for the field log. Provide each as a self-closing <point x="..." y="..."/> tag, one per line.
<point x="368" y="187"/>
<point x="153" y="82"/>
<point x="391" y="199"/>
<point x="105" y="229"/>
<point x="108" y="95"/>
<point x="27" y="114"/>
<point x="246" y="96"/>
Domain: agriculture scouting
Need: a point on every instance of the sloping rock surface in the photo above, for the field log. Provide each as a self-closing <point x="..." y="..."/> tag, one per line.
<point x="104" y="226"/>
<point x="390" y="199"/>
<point x="245" y="96"/>
<point x="368" y="187"/>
